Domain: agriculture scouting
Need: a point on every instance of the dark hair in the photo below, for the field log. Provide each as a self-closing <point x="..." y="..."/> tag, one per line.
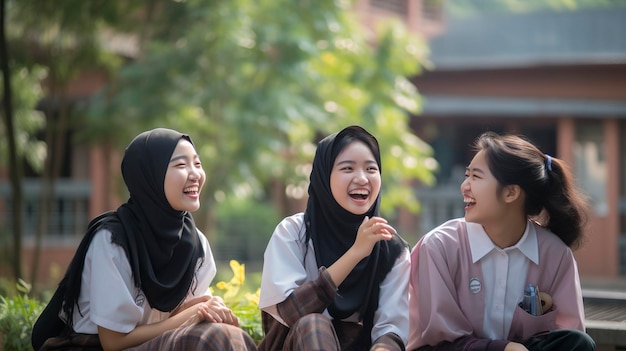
<point x="552" y="199"/>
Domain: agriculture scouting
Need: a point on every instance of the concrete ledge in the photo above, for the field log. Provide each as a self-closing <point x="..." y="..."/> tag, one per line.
<point x="605" y="312"/>
<point x="603" y="294"/>
<point x="607" y="332"/>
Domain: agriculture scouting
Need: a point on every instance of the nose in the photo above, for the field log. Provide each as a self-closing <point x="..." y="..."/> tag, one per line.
<point x="465" y="185"/>
<point x="196" y="173"/>
<point x="360" y="177"/>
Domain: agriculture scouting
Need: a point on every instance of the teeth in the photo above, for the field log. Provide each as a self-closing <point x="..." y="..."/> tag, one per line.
<point x="469" y="201"/>
<point x="359" y="192"/>
<point x="193" y="189"/>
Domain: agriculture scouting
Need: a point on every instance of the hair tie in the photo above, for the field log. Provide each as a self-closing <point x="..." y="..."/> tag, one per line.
<point x="548" y="162"/>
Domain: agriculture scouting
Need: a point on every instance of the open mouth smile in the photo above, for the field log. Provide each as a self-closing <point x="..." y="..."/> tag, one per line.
<point x="359" y="194"/>
<point x="192" y="190"/>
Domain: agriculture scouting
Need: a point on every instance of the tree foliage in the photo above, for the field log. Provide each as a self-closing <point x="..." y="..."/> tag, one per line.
<point x="54" y="49"/>
<point x="28" y="121"/>
<point x="257" y="83"/>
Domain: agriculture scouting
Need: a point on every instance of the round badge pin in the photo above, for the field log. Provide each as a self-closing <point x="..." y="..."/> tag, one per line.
<point x="475" y="286"/>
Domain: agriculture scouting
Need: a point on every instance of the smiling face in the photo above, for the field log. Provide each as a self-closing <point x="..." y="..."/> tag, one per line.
<point x="355" y="179"/>
<point x="184" y="178"/>
<point x="480" y="192"/>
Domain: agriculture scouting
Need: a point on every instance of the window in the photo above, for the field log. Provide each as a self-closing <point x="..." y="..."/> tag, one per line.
<point x="395" y="6"/>
<point x="590" y="164"/>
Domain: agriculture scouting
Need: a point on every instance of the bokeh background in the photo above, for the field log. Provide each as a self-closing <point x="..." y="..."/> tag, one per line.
<point x="257" y="83"/>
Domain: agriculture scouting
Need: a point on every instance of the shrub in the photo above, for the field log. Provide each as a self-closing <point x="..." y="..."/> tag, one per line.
<point x="18" y="314"/>
<point x="244" y="304"/>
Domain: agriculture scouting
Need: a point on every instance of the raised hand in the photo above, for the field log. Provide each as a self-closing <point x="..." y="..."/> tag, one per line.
<point x="370" y="232"/>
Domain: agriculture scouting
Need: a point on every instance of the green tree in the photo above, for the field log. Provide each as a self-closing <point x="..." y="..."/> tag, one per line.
<point x="9" y="128"/>
<point x="21" y="91"/>
<point x="64" y="42"/>
<point x="257" y="83"/>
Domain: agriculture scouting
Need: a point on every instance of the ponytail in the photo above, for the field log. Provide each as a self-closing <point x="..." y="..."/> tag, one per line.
<point x="566" y="207"/>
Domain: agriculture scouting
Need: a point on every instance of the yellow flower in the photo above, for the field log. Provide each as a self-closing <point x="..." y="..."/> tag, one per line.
<point x="253" y="299"/>
<point x="239" y="271"/>
<point x="222" y="285"/>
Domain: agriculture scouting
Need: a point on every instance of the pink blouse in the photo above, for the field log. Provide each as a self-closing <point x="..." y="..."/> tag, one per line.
<point x="447" y="291"/>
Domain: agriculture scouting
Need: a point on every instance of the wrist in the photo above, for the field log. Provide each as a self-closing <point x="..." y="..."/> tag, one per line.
<point x="355" y="254"/>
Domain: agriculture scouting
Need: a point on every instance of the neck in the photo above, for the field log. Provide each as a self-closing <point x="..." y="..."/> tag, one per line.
<point x="506" y="233"/>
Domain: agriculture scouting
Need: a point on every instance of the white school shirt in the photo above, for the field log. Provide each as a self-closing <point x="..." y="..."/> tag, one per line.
<point x="108" y="295"/>
<point x="504" y="275"/>
<point x="285" y="267"/>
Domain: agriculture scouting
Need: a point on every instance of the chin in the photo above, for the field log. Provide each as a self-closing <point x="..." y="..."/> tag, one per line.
<point x="193" y="208"/>
<point x="473" y="219"/>
<point x="188" y="208"/>
<point x="358" y="212"/>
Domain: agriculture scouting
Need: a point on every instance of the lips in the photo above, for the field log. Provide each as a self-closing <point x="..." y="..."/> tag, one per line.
<point x="469" y="202"/>
<point x="359" y="194"/>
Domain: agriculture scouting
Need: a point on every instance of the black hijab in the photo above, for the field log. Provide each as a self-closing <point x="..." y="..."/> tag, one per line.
<point x="333" y="230"/>
<point x="161" y="243"/>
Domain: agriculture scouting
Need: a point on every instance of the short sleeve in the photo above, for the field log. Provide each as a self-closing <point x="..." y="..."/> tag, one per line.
<point x="392" y="315"/>
<point x="108" y="296"/>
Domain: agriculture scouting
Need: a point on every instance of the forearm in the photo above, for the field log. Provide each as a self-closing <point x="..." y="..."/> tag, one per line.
<point x="339" y="270"/>
<point x="112" y="340"/>
<point x="371" y="231"/>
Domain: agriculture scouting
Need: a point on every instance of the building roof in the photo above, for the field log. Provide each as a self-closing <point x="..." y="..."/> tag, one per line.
<point x="454" y="106"/>
<point x="589" y="36"/>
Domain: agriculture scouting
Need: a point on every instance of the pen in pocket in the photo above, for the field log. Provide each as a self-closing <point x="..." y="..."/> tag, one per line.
<point x="531" y="302"/>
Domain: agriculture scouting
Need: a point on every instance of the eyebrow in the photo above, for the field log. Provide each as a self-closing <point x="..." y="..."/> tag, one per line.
<point x="176" y="158"/>
<point x="353" y="162"/>
<point x="475" y="169"/>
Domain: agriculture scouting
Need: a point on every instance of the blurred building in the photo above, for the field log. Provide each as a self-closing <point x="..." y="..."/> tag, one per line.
<point x="558" y="78"/>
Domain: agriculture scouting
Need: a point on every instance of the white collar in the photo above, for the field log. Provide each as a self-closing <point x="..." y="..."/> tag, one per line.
<point x="481" y="244"/>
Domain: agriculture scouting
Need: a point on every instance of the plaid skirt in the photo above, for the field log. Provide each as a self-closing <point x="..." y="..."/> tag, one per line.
<point x="202" y="336"/>
<point x="316" y="332"/>
<point x="312" y="332"/>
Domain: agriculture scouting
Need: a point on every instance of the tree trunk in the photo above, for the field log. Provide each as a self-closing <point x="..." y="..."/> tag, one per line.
<point x="55" y="139"/>
<point x="15" y="169"/>
<point x="45" y="200"/>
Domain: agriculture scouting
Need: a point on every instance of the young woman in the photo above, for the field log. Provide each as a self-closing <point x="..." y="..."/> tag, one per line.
<point x="140" y="276"/>
<point x="336" y="276"/>
<point x="469" y="275"/>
